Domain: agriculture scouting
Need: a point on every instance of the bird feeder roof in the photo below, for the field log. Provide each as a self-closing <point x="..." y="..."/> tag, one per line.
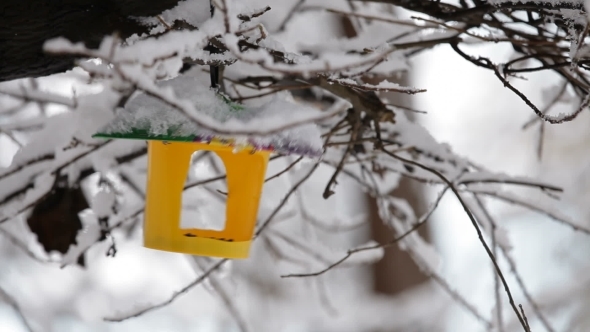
<point x="148" y="118"/>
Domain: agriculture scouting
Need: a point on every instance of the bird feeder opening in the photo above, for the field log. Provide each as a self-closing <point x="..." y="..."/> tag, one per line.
<point x="172" y="141"/>
<point x="205" y="193"/>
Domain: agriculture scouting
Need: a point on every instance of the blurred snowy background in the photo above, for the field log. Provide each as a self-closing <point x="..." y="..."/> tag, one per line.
<point x="466" y="107"/>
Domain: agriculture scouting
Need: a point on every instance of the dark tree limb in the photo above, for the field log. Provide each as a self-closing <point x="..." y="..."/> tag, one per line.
<point x="26" y="24"/>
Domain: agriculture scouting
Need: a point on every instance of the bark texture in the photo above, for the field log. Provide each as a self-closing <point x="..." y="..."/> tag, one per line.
<point x="26" y="24"/>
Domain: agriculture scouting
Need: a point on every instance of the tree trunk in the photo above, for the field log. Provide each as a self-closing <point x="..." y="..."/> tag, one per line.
<point x="26" y="24"/>
<point x="396" y="272"/>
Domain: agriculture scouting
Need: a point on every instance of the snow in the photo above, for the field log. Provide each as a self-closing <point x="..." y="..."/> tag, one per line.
<point x="147" y="51"/>
<point x="12" y="177"/>
<point x="13" y="88"/>
<point x="148" y="113"/>
<point x="87" y="237"/>
<point x="103" y="203"/>
<point x="552" y="2"/>
<point x="325" y="62"/>
<point x="194" y="12"/>
<point x="383" y="86"/>
<point x="571" y="16"/>
<point x="318" y="231"/>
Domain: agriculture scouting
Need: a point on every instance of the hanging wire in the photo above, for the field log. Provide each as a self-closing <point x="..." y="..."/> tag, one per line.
<point x="213" y="69"/>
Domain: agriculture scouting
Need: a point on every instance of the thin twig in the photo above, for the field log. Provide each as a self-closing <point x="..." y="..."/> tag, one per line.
<point x="288" y="168"/>
<point x="526" y="321"/>
<point x="162" y="304"/>
<point x="520" y="202"/>
<point x="217" y="265"/>
<point x="475" y="225"/>
<point x="551" y="119"/>
<point x="296" y="186"/>
<point x="421" y="221"/>
<point x="289" y="16"/>
<point x="514" y="270"/>
<point x="458" y="298"/>
<point x="225" y="298"/>
<point x="498" y="308"/>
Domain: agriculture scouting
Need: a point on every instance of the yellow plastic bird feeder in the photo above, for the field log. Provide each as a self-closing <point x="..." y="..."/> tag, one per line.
<point x="167" y="171"/>
<point x="172" y="140"/>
